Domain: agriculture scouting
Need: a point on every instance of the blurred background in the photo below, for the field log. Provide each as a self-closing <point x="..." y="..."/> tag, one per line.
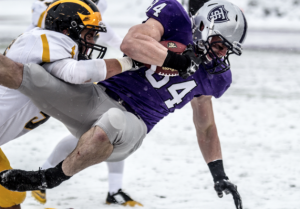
<point x="258" y="121"/>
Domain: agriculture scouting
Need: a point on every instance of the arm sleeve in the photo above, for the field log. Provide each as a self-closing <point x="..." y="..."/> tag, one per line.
<point x="78" y="72"/>
<point x="174" y="19"/>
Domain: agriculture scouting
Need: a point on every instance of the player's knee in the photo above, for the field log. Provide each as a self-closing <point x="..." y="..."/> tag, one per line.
<point x="112" y="123"/>
<point x="116" y="118"/>
<point x="38" y="74"/>
<point x="99" y="135"/>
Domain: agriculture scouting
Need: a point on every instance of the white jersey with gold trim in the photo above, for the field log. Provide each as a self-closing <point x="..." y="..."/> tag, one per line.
<point x="18" y="114"/>
<point x="109" y="38"/>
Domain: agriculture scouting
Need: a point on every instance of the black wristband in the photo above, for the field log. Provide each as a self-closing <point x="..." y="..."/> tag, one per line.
<point x="176" y="61"/>
<point x="217" y="170"/>
<point x="55" y="176"/>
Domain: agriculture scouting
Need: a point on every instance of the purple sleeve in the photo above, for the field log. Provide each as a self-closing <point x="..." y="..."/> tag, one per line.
<point x="221" y="83"/>
<point x="174" y="19"/>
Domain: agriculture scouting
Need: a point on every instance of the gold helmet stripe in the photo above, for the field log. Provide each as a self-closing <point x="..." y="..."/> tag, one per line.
<point x="93" y="19"/>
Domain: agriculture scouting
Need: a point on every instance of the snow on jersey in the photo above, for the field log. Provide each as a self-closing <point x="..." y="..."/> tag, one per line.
<point x="153" y="96"/>
<point x="18" y="114"/>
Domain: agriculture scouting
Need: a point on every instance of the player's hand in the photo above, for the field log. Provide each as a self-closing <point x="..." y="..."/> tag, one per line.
<point x="195" y="62"/>
<point x="229" y="188"/>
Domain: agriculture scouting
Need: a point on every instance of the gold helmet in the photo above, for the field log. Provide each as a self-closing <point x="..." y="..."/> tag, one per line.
<point x="72" y="17"/>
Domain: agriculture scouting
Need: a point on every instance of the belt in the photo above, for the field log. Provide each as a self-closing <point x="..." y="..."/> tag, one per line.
<point x="117" y="98"/>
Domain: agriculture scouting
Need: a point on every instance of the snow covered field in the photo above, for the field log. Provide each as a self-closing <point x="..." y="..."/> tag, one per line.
<point x="258" y="122"/>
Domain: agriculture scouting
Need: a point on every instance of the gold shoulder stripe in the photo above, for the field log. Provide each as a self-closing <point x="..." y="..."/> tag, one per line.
<point x="41" y="19"/>
<point x="46" y="49"/>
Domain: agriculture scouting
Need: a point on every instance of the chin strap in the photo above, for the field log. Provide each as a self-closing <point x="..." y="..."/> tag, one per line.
<point x="211" y="29"/>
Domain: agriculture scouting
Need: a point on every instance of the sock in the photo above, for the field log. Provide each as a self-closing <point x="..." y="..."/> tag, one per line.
<point x="115" y="182"/>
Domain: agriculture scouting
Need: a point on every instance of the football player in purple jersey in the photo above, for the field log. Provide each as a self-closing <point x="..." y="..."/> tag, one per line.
<point x="122" y="114"/>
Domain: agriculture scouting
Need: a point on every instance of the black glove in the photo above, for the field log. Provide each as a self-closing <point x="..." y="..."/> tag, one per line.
<point x="186" y="64"/>
<point x="194" y="62"/>
<point x="228" y="187"/>
<point x="222" y="184"/>
<point x="21" y="181"/>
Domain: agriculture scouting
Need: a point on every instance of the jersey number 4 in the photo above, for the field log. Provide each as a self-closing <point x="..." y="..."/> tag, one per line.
<point x="157" y="8"/>
<point x="178" y="91"/>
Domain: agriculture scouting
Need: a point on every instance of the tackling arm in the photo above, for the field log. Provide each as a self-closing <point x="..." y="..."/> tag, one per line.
<point x="87" y="71"/>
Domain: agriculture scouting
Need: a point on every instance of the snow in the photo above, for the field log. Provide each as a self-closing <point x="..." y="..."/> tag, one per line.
<point x="257" y="119"/>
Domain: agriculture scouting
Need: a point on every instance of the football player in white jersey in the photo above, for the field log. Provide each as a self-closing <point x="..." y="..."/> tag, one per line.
<point x="68" y="143"/>
<point x="66" y="40"/>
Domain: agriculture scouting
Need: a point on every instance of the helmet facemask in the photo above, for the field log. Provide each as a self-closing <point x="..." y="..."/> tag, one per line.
<point x="213" y="63"/>
<point x="87" y="48"/>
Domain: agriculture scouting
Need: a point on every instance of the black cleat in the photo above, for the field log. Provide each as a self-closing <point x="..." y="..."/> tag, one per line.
<point x="20" y="180"/>
<point x="121" y="198"/>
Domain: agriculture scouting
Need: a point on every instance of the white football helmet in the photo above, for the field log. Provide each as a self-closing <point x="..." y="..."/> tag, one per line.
<point x="225" y="20"/>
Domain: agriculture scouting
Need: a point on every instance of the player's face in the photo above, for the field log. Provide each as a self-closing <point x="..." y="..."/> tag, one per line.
<point x="89" y="36"/>
<point x="219" y="48"/>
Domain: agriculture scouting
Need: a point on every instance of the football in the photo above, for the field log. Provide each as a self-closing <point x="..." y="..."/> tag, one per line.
<point x="173" y="46"/>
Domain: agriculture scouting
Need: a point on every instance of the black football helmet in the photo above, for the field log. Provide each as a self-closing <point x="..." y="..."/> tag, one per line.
<point x="74" y="16"/>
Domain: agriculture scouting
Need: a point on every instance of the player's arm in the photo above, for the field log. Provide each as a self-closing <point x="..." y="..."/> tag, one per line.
<point x="87" y="71"/>
<point x="141" y="43"/>
<point x="206" y="129"/>
<point x="210" y="147"/>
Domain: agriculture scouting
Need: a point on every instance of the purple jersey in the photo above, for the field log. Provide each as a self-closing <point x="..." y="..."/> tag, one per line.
<point x="153" y="96"/>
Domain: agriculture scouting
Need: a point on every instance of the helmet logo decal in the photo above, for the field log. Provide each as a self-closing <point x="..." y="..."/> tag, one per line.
<point x="219" y="14"/>
<point x="172" y="45"/>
